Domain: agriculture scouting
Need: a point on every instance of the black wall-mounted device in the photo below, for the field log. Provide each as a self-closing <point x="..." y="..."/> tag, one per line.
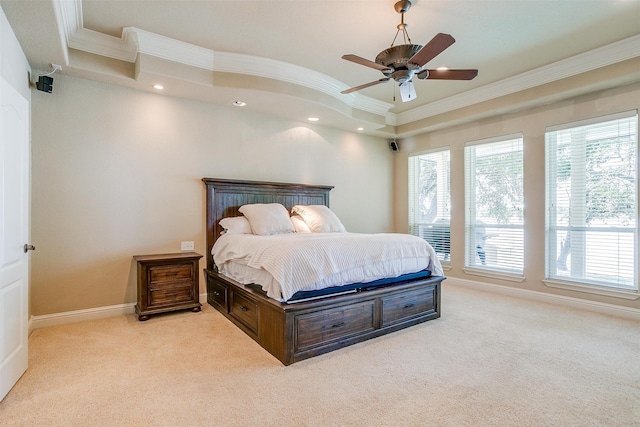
<point x="394" y="145"/>
<point x="45" y="84"/>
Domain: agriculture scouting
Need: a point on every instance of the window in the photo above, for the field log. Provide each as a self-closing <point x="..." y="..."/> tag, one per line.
<point x="494" y="201"/>
<point x="592" y="200"/>
<point x="430" y="200"/>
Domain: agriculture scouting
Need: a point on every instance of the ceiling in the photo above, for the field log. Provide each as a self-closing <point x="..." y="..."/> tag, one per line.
<point x="283" y="57"/>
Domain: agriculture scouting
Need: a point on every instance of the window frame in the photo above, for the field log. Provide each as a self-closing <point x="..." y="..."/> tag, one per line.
<point x="443" y="255"/>
<point x="508" y="274"/>
<point x="551" y="216"/>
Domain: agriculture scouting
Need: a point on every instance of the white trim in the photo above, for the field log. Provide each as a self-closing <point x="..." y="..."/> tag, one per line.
<point x="511" y="277"/>
<point x="123" y="49"/>
<point x="606" y="55"/>
<point x="593" y="289"/>
<point x="592" y="121"/>
<point x="81" y="315"/>
<point x="55" y="319"/>
<point x="430" y="150"/>
<point x="499" y="138"/>
<point x="133" y="41"/>
<point x="595" y="306"/>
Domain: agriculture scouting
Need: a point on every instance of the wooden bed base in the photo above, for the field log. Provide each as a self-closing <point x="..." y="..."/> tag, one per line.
<point x="294" y="332"/>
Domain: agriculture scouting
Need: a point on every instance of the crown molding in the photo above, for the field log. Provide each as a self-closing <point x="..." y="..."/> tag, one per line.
<point x="135" y="41"/>
<point x="606" y="55"/>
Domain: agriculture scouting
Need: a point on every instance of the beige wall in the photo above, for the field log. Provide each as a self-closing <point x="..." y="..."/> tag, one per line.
<point x="116" y="173"/>
<point x="532" y="124"/>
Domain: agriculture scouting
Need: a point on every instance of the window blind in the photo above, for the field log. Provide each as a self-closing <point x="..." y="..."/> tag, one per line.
<point x="592" y="201"/>
<point x="430" y="200"/>
<point x="494" y="202"/>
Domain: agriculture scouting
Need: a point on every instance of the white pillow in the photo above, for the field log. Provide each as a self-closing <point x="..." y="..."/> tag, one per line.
<point x="267" y="218"/>
<point x="299" y="224"/>
<point x="319" y="218"/>
<point x="235" y="225"/>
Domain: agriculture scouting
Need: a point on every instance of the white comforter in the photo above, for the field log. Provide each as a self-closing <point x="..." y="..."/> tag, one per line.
<point x="287" y="263"/>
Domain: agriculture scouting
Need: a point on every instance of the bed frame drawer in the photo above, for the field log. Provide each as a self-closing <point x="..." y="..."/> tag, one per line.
<point x="407" y="305"/>
<point x="294" y="332"/>
<point x="245" y="310"/>
<point x="217" y="294"/>
<point x="326" y="326"/>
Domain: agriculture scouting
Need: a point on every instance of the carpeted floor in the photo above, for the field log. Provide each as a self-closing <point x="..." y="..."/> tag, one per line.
<point x="491" y="360"/>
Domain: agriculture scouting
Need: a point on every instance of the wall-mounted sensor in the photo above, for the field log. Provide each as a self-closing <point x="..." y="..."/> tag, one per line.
<point x="45" y="84"/>
<point x="45" y="81"/>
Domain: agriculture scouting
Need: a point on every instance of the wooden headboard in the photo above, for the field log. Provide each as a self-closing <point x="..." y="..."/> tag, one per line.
<point x="225" y="196"/>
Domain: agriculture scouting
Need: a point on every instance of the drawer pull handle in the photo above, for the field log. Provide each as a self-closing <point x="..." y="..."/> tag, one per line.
<point x="243" y="308"/>
<point x="337" y="325"/>
<point x="408" y="305"/>
<point x="216" y="293"/>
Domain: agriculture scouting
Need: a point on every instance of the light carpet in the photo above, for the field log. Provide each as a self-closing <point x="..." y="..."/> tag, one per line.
<point x="490" y="360"/>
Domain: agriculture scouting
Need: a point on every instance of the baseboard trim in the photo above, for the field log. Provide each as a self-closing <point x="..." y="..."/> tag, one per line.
<point x="599" y="307"/>
<point x="36" y="322"/>
<point x="63" y="318"/>
<point x="55" y="319"/>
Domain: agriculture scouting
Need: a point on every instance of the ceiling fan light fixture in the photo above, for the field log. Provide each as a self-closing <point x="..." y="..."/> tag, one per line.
<point x="423" y="74"/>
<point x="402" y="62"/>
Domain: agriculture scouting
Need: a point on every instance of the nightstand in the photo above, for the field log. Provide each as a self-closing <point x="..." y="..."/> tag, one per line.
<point x="167" y="282"/>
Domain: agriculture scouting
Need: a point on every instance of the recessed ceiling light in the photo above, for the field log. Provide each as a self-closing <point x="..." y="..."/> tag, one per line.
<point x="360" y="128"/>
<point x="442" y="68"/>
<point x="239" y="103"/>
<point x="157" y="86"/>
<point x="313" y="119"/>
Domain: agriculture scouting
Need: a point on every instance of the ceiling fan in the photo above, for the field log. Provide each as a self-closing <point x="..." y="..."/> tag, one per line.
<point x="402" y="62"/>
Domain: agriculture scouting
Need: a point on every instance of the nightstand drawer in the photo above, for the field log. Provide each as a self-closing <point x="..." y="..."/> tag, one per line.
<point x="170" y="273"/>
<point x="172" y="295"/>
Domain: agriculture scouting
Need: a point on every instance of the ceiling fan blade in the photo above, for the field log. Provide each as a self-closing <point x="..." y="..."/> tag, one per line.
<point x="365" y="62"/>
<point x="407" y="91"/>
<point x="353" y="89"/>
<point x="432" y="49"/>
<point x="448" y="74"/>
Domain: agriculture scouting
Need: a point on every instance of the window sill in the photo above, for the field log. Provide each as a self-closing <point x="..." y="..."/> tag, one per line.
<point x="593" y="289"/>
<point x="494" y="274"/>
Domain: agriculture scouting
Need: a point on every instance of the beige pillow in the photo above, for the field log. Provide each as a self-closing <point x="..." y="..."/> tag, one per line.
<point x="319" y="218"/>
<point x="267" y="218"/>
<point x="235" y="225"/>
<point x="299" y="224"/>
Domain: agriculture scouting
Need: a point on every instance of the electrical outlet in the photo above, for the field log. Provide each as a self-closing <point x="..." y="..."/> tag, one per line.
<point x="186" y="246"/>
<point x="56" y="67"/>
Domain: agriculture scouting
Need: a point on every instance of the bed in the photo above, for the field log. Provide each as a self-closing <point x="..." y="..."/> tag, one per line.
<point x="294" y="331"/>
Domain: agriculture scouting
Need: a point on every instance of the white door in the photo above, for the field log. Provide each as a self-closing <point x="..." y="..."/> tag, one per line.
<point x="14" y="233"/>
